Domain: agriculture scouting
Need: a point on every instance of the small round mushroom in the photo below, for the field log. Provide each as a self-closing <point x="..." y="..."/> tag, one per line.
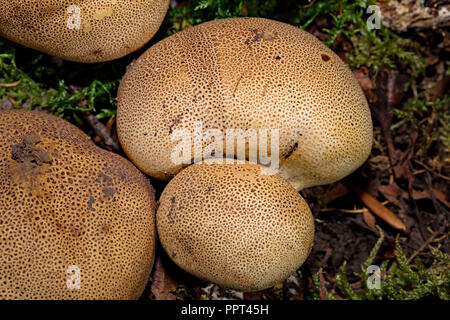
<point x="246" y="73"/>
<point x="234" y="225"/>
<point x="82" y="31"/>
<point x="76" y="221"/>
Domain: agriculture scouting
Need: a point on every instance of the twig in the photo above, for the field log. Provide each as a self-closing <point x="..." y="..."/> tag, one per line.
<point x="431" y="169"/>
<point x="327" y="256"/>
<point x="365" y="227"/>
<point x="323" y="290"/>
<point x="377" y="233"/>
<point x="421" y="223"/>
<point x="440" y="238"/>
<point x="342" y="210"/>
<point x="426" y="243"/>
<point x="306" y="5"/>
<point x="437" y="206"/>
<point x="10" y="85"/>
<point x="101" y="130"/>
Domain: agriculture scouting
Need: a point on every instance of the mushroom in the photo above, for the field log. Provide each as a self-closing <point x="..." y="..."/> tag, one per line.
<point x="246" y="73"/>
<point x="233" y="225"/>
<point x="76" y="221"/>
<point x="82" y="31"/>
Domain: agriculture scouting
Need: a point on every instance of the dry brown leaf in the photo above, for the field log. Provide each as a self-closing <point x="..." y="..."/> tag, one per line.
<point x="426" y="194"/>
<point x="393" y="192"/>
<point x="162" y="283"/>
<point x="440" y="88"/>
<point x="389" y="91"/>
<point x="253" y="295"/>
<point x="441" y="197"/>
<point x="419" y="195"/>
<point x="402" y="167"/>
<point x="323" y="290"/>
<point x="335" y="191"/>
<point x="362" y="75"/>
<point x="368" y="218"/>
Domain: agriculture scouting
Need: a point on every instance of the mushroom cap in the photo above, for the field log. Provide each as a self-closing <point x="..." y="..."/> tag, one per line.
<point x="65" y="202"/>
<point x="246" y="73"/>
<point x="234" y="226"/>
<point x="108" y="29"/>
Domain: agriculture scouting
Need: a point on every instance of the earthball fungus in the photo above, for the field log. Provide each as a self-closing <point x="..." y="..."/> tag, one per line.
<point x="246" y="74"/>
<point x="234" y="226"/>
<point x="76" y="221"/>
<point x="82" y="31"/>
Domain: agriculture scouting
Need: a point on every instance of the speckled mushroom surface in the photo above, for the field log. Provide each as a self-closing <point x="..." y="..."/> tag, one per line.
<point x="231" y="225"/>
<point x="247" y="73"/>
<point x="65" y="202"/>
<point x="82" y="30"/>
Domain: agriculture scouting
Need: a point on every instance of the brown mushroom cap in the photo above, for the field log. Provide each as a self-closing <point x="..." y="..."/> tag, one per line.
<point x="65" y="202"/>
<point x="231" y="225"/>
<point x="109" y="29"/>
<point x="247" y="73"/>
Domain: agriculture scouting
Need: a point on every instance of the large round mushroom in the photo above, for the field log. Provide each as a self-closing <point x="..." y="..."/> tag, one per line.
<point x="246" y="73"/>
<point x="76" y="221"/>
<point x="82" y="31"/>
<point x="236" y="225"/>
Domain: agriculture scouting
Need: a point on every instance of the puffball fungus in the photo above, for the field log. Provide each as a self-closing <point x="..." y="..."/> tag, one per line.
<point x="231" y="225"/>
<point x="82" y="31"/>
<point x="76" y="221"/>
<point x="246" y="73"/>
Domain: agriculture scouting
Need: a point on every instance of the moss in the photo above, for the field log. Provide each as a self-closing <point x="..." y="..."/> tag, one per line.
<point x="33" y="89"/>
<point x="197" y="11"/>
<point x="383" y="47"/>
<point x="377" y="48"/>
<point x="371" y="47"/>
<point x="399" y="279"/>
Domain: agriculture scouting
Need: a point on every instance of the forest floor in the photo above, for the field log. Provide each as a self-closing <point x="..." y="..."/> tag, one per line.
<point x="403" y="68"/>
